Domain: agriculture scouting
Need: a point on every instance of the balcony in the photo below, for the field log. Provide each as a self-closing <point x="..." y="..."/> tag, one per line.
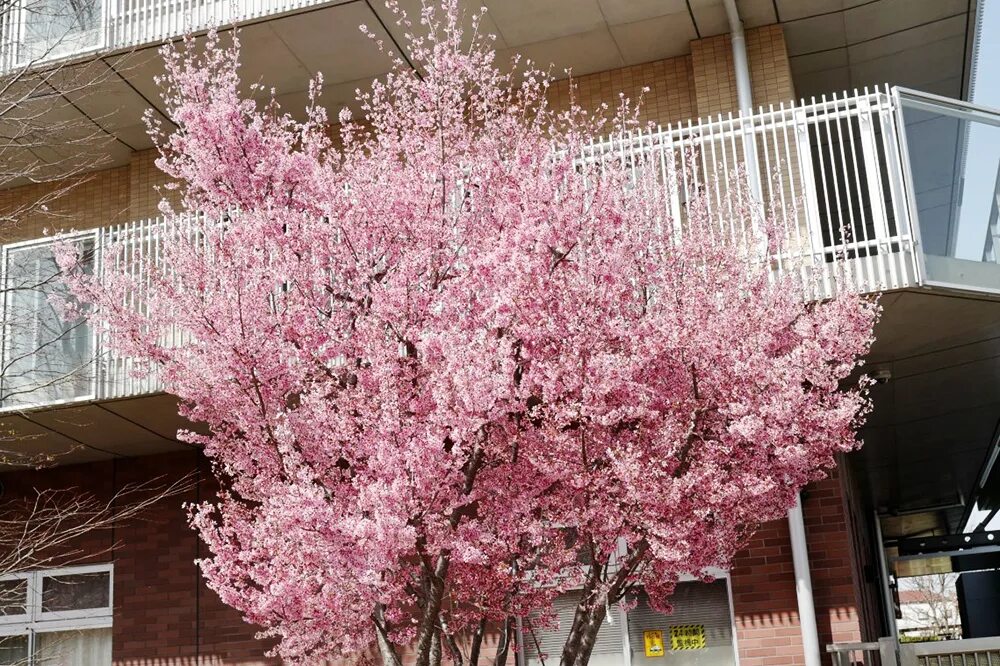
<point x="34" y="32"/>
<point x="898" y="190"/>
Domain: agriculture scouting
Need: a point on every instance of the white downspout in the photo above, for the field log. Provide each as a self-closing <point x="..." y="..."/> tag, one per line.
<point x="741" y="67"/>
<point x="744" y="93"/>
<point x="796" y="523"/>
<point x="803" y="584"/>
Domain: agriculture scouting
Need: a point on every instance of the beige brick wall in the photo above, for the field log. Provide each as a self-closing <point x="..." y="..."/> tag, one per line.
<point x="111" y="196"/>
<point x="146" y="185"/>
<point x="94" y="200"/>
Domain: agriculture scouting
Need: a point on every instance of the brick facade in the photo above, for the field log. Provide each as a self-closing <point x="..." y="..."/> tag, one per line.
<point x="163" y="613"/>
<point x="764" y="600"/>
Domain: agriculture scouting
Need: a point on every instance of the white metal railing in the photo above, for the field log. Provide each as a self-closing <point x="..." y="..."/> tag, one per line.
<point x="882" y="653"/>
<point x="965" y="652"/>
<point x="38" y="31"/>
<point x="887" y="652"/>
<point x="831" y="167"/>
<point x="839" y="159"/>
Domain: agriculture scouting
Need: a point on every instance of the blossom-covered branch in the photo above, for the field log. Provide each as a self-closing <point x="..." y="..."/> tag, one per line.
<point x="452" y="368"/>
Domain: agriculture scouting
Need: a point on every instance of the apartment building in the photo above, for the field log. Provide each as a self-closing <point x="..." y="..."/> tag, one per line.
<point x="863" y="110"/>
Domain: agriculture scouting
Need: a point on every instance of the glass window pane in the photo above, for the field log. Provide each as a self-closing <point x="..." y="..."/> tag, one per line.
<point x="46" y="358"/>
<point x="13" y="650"/>
<point x="89" y="647"/>
<point x="14" y="597"/>
<point x="55" y="28"/>
<point x="76" y="592"/>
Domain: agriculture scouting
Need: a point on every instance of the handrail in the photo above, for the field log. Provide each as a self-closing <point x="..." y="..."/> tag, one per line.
<point x="956" y="647"/>
<point x="831" y="168"/>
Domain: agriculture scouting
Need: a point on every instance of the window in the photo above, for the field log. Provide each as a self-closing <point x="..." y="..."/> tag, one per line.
<point x="58" y="28"/>
<point x="57" y="616"/>
<point x="699" y="631"/>
<point x="46" y="358"/>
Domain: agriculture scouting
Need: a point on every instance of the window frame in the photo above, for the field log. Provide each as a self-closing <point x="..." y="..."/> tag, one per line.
<point x="37" y="621"/>
<point x="91" y="236"/>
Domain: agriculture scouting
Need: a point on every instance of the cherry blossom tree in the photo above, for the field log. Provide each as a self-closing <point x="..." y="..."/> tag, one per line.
<point x="455" y="361"/>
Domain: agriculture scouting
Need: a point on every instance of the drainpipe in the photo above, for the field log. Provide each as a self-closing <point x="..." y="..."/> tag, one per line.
<point x="796" y="523"/>
<point x="803" y="584"/>
<point x="740" y="66"/>
<point x="744" y="95"/>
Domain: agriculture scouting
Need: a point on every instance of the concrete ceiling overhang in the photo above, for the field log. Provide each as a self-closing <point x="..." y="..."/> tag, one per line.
<point x="932" y="426"/>
<point x="90" y="431"/>
<point x="833" y="45"/>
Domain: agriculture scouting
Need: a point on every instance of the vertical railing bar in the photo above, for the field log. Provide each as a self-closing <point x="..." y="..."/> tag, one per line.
<point x="814" y="228"/>
<point x="835" y="203"/>
<point x="790" y="164"/>
<point x="874" y="257"/>
<point x="712" y="128"/>
<point x="770" y="189"/>
<point x="826" y="189"/>
<point x="847" y="189"/>
<point x="731" y="123"/>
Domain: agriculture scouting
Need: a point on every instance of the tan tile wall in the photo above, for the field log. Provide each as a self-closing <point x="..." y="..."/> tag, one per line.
<point x="111" y="196"/>
<point x="146" y="183"/>
<point x="715" y="81"/>
<point x="670" y="98"/>
<point x="95" y="200"/>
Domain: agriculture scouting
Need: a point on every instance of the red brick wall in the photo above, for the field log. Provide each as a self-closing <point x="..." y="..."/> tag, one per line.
<point x="832" y="562"/>
<point x="764" y="602"/>
<point x="164" y="614"/>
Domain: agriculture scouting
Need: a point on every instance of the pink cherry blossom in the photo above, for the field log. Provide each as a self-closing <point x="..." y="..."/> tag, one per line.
<point x="440" y="355"/>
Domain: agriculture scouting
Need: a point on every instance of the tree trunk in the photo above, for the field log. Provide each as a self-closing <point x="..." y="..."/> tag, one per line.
<point x="427" y="631"/>
<point x="583" y="634"/>
<point x="385" y="648"/>
<point x="477" y="643"/>
<point x="503" y="648"/>
<point x="435" y="653"/>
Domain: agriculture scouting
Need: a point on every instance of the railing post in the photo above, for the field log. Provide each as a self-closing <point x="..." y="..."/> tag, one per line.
<point x="876" y="197"/>
<point x="908" y="656"/>
<point x="810" y="197"/>
<point x="887" y="652"/>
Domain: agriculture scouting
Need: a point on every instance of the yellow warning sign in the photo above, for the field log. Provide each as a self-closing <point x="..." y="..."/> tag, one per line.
<point x="687" y="637"/>
<point x="654" y="642"/>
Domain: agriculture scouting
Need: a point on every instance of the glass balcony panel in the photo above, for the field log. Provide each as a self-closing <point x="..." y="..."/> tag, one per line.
<point x="954" y="160"/>
<point x="46" y="358"/>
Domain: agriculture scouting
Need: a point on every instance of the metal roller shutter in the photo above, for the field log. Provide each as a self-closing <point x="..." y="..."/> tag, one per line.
<point x="545" y="645"/>
<point x="695" y="603"/>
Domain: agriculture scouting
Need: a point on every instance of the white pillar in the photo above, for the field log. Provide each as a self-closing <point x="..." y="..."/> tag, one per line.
<point x="803" y="585"/>
<point x="796" y="525"/>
